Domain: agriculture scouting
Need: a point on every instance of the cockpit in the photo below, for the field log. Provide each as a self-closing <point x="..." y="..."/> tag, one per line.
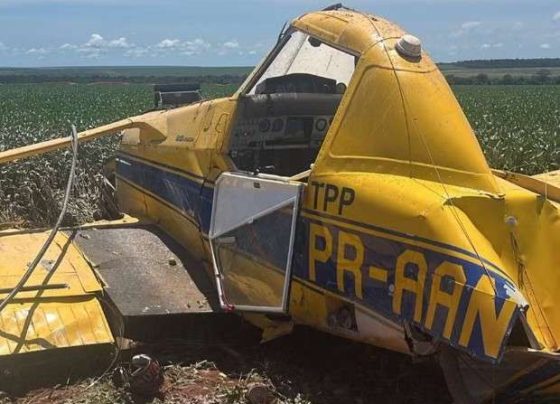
<point x="287" y="107"/>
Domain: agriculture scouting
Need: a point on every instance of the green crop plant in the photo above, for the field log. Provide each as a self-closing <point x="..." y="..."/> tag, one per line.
<point x="517" y="126"/>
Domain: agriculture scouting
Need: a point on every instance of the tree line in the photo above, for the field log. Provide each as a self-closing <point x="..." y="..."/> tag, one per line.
<point x="541" y="77"/>
<point x="101" y="78"/>
<point x="506" y="63"/>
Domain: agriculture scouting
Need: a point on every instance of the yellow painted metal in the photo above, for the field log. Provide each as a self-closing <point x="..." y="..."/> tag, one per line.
<point x="35" y="326"/>
<point x="547" y="185"/>
<point x="408" y="151"/>
<point x="484" y="224"/>
<point x="54" y="318"/>
<point x="398" y="116"/>
<point x="401" y="142"/>
<point x="56" y="144"/>
<point x="552" y="178"/>
<point x="154" y="125"/>
<point x="190" y="148"/>
<point x="126" y="220"/>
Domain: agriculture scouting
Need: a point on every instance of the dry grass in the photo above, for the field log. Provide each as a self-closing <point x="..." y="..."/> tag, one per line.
<point x="305" y="367"/>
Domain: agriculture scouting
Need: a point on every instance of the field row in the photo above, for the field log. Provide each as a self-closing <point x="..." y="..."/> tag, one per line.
<point x="518" y="127"/>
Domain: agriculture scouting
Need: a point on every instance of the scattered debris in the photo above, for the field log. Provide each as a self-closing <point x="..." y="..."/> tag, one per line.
<point x="143" y="376"/>
<point x="260" y="394"/>
<point x="306" y="367"/>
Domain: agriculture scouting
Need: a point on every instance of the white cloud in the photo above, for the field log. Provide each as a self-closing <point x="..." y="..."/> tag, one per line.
<point x="168" y="43"/>
<point x="119" y="43"/>
<point x="466" y="28"/>
<point x="556" y="17"/>
<point x="37" y="51"/>
<point x="197" y="45"/>
<point x="468" y="25"/>
<point x="3" y="47"/>
<point x="545" y="46"/>
<point x="97" y="45"/>
<point x="188" y="48"/>
<point x="493" y="45"/>
<point x="137" y="52"/>
<point x="90" y="53"/>
<point x="231" y="44"/>
<point x="93" y="55"/>
<point x="95" y="41"/>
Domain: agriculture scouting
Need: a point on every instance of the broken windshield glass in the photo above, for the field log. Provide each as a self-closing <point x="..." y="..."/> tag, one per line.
<point x="306" y="59"/>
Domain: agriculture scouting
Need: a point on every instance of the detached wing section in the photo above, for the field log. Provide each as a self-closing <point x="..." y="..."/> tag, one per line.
<point x="552" y="178"/>
<point x="59" y="306"/>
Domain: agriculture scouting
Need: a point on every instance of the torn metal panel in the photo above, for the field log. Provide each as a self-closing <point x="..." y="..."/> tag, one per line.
<point x="42" y="318"/>
<point x="146" y="272"/>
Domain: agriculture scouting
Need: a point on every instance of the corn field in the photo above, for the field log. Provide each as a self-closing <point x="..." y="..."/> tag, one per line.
<point x="518" y="127"/>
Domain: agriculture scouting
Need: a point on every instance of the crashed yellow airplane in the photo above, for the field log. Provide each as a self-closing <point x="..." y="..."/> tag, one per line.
<point x="340" y="188"/>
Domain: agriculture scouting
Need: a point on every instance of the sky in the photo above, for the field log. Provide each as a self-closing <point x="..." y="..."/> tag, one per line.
<point x="37" y="33"/>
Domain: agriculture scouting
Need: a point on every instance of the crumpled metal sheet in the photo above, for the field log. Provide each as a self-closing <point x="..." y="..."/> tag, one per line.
<point x="40" y="325"/>
<point x="66" y="316"/>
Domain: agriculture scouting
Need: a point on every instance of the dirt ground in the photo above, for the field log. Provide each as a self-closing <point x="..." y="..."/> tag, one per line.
<point x="305" y="367"/>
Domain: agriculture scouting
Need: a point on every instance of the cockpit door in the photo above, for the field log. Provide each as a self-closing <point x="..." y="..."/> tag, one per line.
<point x="252" y="233"/>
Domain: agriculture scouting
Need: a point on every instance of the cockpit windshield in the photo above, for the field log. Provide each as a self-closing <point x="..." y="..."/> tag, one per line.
<point x="310" y="65"/>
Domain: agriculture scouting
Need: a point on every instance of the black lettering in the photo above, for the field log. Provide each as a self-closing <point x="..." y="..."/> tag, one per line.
<point x="331" y="195"/>
<point x="317" y="186"/>
<point x="346" y="199"/>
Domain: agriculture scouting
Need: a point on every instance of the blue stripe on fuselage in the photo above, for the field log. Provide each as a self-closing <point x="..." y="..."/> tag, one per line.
<point x="195" y="199"/>
<point x="189" y="196"/>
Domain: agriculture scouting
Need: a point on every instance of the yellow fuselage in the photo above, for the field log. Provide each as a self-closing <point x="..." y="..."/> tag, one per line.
<point x="404" y="230"/>
<point x="402" y="217"/>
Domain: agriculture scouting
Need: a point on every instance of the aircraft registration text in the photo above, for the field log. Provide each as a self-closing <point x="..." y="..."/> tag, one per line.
<point x="446" y="296"/>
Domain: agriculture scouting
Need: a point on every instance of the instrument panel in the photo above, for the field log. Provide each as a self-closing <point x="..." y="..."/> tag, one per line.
<point x="281" y="132"/>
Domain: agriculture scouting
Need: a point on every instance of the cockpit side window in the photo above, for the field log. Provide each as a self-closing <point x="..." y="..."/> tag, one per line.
<point x="307" y="56"/>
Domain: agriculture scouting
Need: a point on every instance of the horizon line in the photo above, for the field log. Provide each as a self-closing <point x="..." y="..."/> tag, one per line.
<point x="231" y="66"/>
